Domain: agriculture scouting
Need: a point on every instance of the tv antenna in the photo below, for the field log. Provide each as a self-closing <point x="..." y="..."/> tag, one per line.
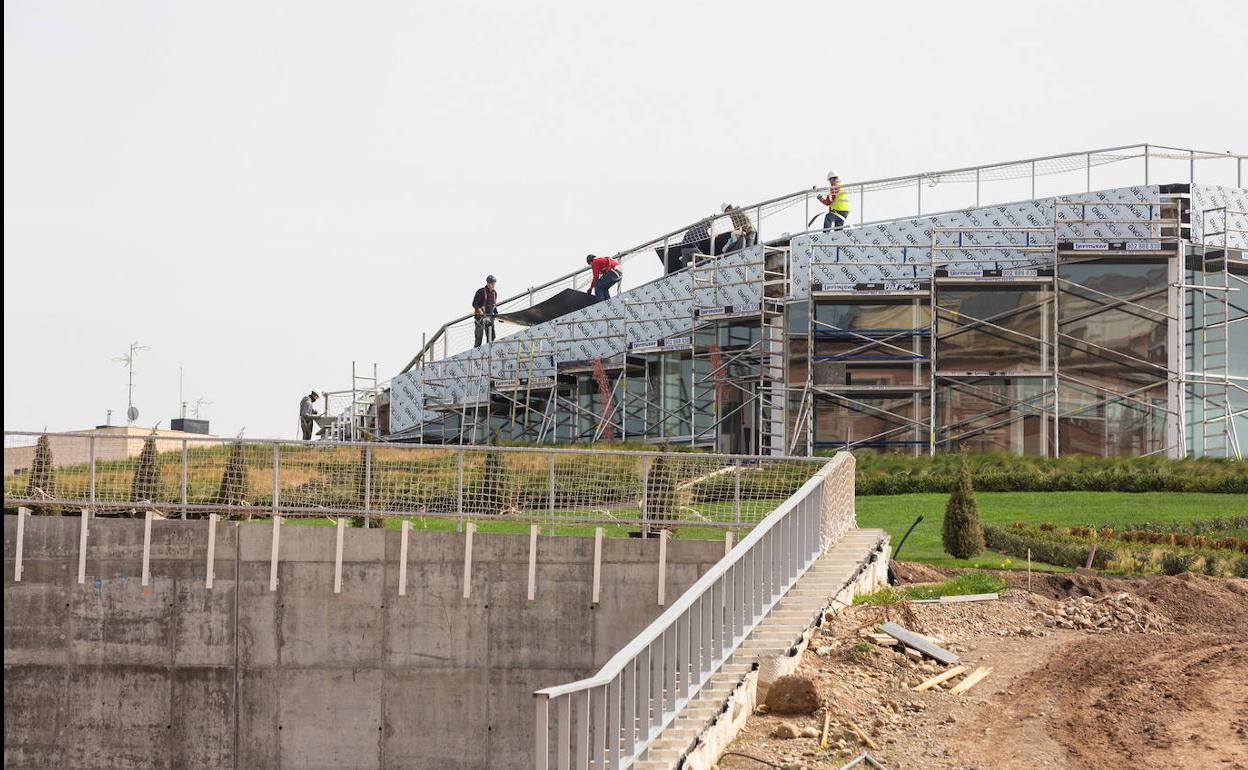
<point x="199" y="403"/>
<point x="127" y="360"/>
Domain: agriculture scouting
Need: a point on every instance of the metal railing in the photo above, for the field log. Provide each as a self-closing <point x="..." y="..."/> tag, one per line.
<point x="898" y="197"/>
<point x="195" y="476"/>
<point x="609" y="719"/>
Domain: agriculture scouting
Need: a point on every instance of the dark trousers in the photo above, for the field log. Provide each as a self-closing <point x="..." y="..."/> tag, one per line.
<point x="484" y="330"/>
<point x="306" y="427"/>
<point x="602" y="289"/>
<point x="836" y="218"/>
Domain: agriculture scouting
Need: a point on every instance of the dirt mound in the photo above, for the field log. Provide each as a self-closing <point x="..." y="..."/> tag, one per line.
<point x="1174" y="702"/>
<point x="1199" y="602"/>
<point x="792" y="695"/>
<point x="1193" y="601"/>
<point x="912" y="572"/>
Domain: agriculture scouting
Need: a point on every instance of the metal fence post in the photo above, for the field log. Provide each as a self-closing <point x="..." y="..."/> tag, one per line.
<point x="550" y="481"/>
<point x="459" y="490"/>
<point x="276" y="482"/>
<point x="736" y="494"/>
<point x="645" y="487"/>
<point x="184" y="490"/>
<point x="91" y="474"/>
<point x="368" y="477"/>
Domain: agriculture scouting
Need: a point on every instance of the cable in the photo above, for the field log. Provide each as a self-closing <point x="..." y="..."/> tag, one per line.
<point x="756" y="759"/>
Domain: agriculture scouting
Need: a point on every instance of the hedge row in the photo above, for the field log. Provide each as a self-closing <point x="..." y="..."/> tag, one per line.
<point x="894" y="475"/>
<point x="1068" y="551"/>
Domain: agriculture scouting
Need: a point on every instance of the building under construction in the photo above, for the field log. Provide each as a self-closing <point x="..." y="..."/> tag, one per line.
<point x="1087" y="303"/>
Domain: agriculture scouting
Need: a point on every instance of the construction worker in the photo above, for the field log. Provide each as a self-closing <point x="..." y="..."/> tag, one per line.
<point x="306" y="414"/>
<point x="606" y="273"/>
<point x="484" y="308"/>
<point x="743" y="234"/>
<point x="837" y="201"/>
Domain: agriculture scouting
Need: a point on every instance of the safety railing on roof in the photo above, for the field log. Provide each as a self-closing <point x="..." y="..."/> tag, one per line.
<point x="901" y="197"/>
<point x="196" y="476"/>
<point x="609" y="719"/>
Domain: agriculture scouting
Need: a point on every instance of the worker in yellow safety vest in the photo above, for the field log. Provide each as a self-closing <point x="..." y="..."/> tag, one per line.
<point x="837" y="201"/>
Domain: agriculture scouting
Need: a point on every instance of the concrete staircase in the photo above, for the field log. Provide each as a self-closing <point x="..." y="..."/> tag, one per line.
<point x="775" y="635"/>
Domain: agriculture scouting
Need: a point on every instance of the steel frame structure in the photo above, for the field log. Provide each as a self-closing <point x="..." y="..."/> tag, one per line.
<point x="1137" y="401"/>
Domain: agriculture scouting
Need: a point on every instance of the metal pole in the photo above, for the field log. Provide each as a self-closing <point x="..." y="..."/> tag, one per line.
<point x="1146" y="164"/>
<point x="550" y="481"/>
<point x="91" y="474"/>
<point x="976" y="188"/>
<point x="184" y="489"/>
<point x="918" y="185"/>
<point x="1033" y="180"/>
<point x="276" y="488"/>
<point x="1191" y="167"/>
<point x="368" y="478"/>
<point x="1089" y="162"/>
<point x="736" y="494"/>
<point x="459" y="489"/>
<point x="645" y="488"/>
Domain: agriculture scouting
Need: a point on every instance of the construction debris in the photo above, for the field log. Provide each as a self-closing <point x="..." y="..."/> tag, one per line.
<point x="939" y="678"/>
<point x="862" y="736"/>
<point x="918" y="642"/>
<point x="971" y="680"/>
<point x="959" y="599"/>
<point x="864" y="758"/>
<point x="1116" y="612"/>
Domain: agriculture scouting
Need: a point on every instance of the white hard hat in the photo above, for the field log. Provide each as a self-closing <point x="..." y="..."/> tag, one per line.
<point x="725" y="206"/>
<point x="831" y="174"/>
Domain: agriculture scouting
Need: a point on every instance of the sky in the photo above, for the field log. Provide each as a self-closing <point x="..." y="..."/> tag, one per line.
<point x="263" y="192"/>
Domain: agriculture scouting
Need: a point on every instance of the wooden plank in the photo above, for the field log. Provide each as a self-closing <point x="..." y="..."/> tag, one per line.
<point x="911" y="639"/>
<point x="533" y="529"/>
<point x="827" y="721"/>
<point x="597" y="585"/>
<point x="862" y="736"/>
<point x="210" y="569"/>
<point x="941" y="677"/>
<point x="404" y="529"/>
<point x="22" y="513"/>
<point x="469" y="529"/>
<point x="971" y="680"/>
<point x="957" y="599"/>
<point x="342" y="526"/>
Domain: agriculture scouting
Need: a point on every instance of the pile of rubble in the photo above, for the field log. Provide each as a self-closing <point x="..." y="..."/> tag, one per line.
<point x="1116" y="612"/>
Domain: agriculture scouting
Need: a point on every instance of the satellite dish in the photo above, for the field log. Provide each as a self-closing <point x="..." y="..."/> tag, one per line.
<point x="132" y="413"/>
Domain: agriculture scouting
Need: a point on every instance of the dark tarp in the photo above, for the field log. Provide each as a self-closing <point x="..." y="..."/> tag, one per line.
<point x="561" y="304"/>
<point x="678" y="255"/>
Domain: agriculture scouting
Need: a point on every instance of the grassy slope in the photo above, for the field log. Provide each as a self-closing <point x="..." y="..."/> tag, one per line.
<point x="895" y="513"/>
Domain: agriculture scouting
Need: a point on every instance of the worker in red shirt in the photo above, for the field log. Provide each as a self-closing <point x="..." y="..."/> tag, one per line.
<point x="606" y="273"/>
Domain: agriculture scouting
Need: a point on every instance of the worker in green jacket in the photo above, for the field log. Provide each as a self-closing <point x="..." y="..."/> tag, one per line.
<point x="837" y="201"/>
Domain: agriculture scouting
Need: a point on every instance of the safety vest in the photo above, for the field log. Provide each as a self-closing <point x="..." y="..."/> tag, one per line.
<point x="840" y="199"/>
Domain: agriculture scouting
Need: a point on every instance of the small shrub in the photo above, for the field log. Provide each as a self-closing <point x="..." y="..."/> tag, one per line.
<point x="40" y="483"/>
<point x="1177" y="563"/>
<point x="146" y="485"/>
<point x="961" y="533"/>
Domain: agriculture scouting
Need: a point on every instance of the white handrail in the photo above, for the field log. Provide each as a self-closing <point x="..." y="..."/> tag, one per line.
<point x="622" y="708"/>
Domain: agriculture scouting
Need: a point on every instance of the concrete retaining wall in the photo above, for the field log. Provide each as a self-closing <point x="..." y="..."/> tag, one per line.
<point x="113" y="674"/>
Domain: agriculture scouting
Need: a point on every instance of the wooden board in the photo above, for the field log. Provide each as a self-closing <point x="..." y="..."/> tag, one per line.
<point x="957" y="599"/>
<point x="930" y="683"/>
<point x="971" y="680"/>
<point x="911" y="639"/>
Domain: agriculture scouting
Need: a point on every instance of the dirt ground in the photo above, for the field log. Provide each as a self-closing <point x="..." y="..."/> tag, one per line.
<point x="1056" y="697"/>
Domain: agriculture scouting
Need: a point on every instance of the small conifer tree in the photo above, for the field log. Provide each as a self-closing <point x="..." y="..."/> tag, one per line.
<point x="962" y="533"/>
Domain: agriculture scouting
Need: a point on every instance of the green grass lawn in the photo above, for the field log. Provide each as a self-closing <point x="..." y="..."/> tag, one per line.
<point x="512" y="527"/>
<point x="895" y="513"/>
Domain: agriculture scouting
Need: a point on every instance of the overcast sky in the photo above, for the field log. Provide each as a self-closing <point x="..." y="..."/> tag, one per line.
<point x="263" y="192"/>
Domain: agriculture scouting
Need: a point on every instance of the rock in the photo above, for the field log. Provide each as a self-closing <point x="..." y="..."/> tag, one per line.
<point x="825" y="651"/>
<point x="785" y="730"/>
<point x="913" y="654"/>
<point x="810" y="732"/>
<point x="951" y="719"/>
<point x="792" y="695"/>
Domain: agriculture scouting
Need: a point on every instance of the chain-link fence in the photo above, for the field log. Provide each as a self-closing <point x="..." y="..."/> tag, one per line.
<point x="191" y="477"/>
